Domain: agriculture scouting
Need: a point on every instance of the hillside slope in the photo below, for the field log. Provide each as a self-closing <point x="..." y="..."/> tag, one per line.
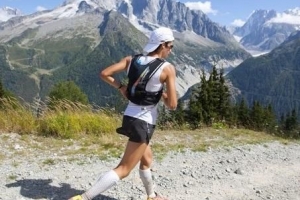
<point x="272" y="78"/>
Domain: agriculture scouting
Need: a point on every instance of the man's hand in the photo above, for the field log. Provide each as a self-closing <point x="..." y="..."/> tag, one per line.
<point x="123" y="91"/>
<point x="164" y="97"/>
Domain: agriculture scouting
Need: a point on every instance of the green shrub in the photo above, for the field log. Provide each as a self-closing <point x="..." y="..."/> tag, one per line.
<point x="68" y="91"/>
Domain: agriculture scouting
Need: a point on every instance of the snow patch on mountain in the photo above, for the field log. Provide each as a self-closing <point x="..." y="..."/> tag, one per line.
<point x="266" y="29"/>
<point x="7" y="12"/>
<point x="66" y="11"/>
<point x="256" y="54"/>
<point x="237" y="38"/>
<point x="77" y="2"/>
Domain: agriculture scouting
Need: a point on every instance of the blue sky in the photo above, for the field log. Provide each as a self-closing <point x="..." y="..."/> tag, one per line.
<point x="224" y="12"/>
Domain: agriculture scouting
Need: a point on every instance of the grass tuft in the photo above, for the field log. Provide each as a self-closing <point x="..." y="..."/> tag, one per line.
<point x="15" y="117"/>
<point x="49" y="161"/>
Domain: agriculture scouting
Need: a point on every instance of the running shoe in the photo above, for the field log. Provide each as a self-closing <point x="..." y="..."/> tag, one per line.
<point x="78" y="197"/>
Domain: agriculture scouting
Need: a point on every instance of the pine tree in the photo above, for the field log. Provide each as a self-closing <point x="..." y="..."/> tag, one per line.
<point x="213" y="86"/>
<point x="269" y="118"/>
<point x="194" y="112"/>
<point x="243" y="114"/>
<point x="211" y="101"/>
<point x="205" y="99"/>
<point x="257" y="116"/>
<point x="178" y="115"/>
<point x="215" y="98"/>
<point x="291" y="121"/>
<point x="224" y="105"/>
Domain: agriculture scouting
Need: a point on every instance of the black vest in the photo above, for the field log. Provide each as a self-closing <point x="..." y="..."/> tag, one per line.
<point x="138" y="76"/>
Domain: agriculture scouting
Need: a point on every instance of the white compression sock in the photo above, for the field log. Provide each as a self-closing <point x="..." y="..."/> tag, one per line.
<point x="146" y="178"/>
<point x="108" y="180"/>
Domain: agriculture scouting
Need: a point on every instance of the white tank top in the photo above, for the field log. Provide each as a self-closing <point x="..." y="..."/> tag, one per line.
<point x="147" y="113"/>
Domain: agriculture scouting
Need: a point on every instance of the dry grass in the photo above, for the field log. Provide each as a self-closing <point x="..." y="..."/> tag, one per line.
<point x="207" y="138"/>
<point x="73" y="120"/>
<point x="65" y="120"/>
<point x="72" y="129"/>
<point x="106" y="146"/>
<point x="16" y="118"/>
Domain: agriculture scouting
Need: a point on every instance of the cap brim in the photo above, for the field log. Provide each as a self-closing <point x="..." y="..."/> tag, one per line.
<point x="150" y="47"/>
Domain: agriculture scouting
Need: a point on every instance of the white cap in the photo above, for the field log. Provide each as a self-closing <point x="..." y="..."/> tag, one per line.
<point x="157" y="37"/>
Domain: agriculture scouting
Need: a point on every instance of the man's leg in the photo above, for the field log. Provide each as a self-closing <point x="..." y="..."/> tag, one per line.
<point x="145" y="172"/>
<point x="133" y="154"/>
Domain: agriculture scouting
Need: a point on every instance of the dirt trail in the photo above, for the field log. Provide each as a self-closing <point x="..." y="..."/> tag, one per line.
<point x="257" y="172"/>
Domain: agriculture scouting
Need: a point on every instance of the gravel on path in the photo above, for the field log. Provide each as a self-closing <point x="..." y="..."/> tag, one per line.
<point x="247" y="172"/>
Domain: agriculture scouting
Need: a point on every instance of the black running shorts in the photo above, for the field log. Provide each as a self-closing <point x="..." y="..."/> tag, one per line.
<point x="137" y="130"/>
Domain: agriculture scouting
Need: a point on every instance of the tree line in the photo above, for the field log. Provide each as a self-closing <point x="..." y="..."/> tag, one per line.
<point x="211" y="104"/>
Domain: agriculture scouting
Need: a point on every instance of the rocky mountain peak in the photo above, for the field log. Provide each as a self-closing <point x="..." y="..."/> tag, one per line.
<point x="7" y="12"/>
<point x="175" y="15"/>
<point x="256" y="20"/>
<point x="84" y="7"/>
<point x="263" y="13"/>
<point x="266" y="29"/>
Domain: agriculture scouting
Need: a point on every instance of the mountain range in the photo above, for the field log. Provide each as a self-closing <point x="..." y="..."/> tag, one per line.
<point x="79" y="38"/>
<point x="263" y="31"/>
<point x="76" y="40"/>
<point x="266" y="29"/>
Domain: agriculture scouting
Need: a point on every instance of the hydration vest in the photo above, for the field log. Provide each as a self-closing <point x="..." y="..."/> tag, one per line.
<point x="138" y="76"/>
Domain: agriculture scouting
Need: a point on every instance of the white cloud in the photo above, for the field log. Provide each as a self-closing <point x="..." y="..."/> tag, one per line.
<point x="204" y="7"/>
<point x="40" y="8"/>
<point x="286" y="18"/>
<point x="238" y="22"/>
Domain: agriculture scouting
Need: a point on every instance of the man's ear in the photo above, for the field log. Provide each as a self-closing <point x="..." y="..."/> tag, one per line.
<point x="165" y="44"/>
